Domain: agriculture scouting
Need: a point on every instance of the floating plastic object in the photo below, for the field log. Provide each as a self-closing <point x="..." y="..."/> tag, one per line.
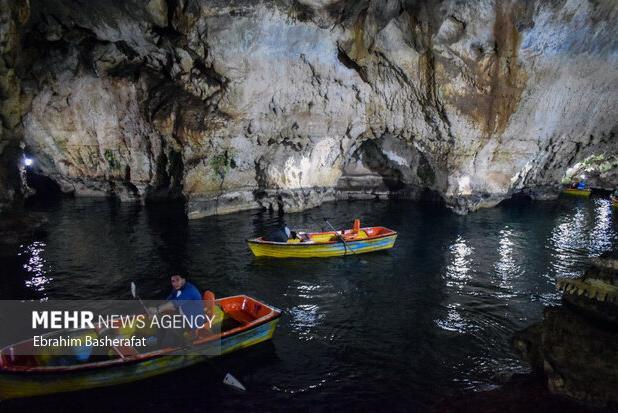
<point x="232" y="382"/>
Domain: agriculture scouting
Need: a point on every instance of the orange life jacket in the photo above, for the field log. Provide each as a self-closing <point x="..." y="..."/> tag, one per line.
<point x="209" y="302"/>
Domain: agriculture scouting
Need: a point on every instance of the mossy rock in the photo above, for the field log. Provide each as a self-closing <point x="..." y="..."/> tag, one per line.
<point x="222" y="163"/>
<point x="111" y="159"/>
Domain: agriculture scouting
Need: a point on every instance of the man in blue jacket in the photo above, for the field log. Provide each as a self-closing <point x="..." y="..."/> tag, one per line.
<point x="186" y="299"/>
<point x="582" y="185"/>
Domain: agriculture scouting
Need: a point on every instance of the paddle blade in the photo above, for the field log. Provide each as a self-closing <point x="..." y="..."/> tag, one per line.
<point x="133" y="289"/>
<point x="232" y="382"/>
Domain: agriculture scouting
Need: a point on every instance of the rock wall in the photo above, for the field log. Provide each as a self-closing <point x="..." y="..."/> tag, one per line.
<point x="575" y="346"/>
<point x="286" y="104"/>
<point x="13" y="15"/>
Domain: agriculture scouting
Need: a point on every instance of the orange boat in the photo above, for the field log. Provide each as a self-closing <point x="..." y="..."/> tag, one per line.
<point x="327" y="244"/>
<point x="23" y="373"/>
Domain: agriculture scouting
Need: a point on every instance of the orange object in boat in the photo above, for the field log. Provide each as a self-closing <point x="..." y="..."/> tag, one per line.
<point x="356" y="226"/>
<point x="209" y="302"/>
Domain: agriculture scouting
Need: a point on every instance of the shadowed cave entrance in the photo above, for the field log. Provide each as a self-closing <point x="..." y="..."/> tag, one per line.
<point x="389" y="168"/>
<point x="44" y="187"/>
<point x="369" y="173"/>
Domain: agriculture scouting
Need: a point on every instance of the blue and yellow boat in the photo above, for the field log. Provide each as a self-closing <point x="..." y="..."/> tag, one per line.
<point x="579" y="188"/>
<point x="24" y="374"/>
<point x="327" y="244"/>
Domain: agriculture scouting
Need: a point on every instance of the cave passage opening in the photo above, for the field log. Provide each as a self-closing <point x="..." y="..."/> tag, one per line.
<point x="598" y="170"/>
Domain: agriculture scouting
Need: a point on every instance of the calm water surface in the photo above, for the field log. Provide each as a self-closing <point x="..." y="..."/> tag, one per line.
<point x="400" y="329"/>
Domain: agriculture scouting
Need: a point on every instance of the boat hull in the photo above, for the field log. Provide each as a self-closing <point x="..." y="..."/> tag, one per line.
<point x="334" y="249"/>
<point x="577" y="192"/>
<point x="19" y="384"/>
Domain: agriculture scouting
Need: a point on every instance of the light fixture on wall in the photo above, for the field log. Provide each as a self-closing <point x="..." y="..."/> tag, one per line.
<point x="28" y="161"/>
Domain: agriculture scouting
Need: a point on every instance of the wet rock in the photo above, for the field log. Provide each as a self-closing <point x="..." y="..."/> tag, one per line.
<point x="576" y="344"/>
<point x="519" y="394"/>
<point x="580" y="357"/>
<point x="218" y="204"/>
<point x="528" y="344"/>
<point x="596" y="292"/>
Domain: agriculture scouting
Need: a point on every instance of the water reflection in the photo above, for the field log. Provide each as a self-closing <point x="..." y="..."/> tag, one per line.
<point x="585" y="232"/>
<point x="458" y="271"/>
<point x="304" y="317"/>
<point x="35" y="267"/>
<point x="506" y="267"/>
<point x="566" y="241"/>
<point x="307" y="291"/>
<point x="455" y="320"/>
<point x="601" y="236"/>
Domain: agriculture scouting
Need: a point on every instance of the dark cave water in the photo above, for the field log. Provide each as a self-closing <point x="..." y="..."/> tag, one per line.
<point x="400" y="329"/>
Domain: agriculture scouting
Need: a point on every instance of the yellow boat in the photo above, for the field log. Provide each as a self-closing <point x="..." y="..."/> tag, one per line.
<point x="24" y="374"/>
<point x="577" y="192"/>
<point x="327" y="244"/>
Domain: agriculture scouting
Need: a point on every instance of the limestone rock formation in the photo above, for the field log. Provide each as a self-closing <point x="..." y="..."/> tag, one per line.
<point x="596" y="292"/>
<point x="286" y="104"/>
<point x="576" y="344"/>
<point x="13" y="15"/>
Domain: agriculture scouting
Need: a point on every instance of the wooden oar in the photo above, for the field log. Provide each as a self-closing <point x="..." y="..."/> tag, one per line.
<point x="134" y="294"/>
<point x="345" y="244"/>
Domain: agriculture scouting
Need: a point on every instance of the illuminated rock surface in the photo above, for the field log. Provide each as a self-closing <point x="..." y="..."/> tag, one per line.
<point x="246" y="104"/>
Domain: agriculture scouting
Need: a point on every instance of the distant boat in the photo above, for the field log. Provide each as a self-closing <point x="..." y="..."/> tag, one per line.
<point x="580" y="188"/>
<point x="246" y="320"/>
<point x="577" y="192"/>
<point x="327" y="244"/>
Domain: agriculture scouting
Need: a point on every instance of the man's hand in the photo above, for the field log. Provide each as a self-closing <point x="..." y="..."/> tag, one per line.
<point x="167" y="307"/>
<point x="153" y="310"/>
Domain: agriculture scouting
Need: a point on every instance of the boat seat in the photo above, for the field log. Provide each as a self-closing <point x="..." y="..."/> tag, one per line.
<point x="242" y="316"/>
<point x="359" y="235"/>
<point x="324" y="237"/>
